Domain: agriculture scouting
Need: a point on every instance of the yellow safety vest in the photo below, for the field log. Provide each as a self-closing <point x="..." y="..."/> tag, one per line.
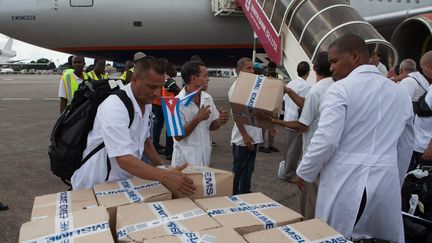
<point x="68" y="71"/>
<point x="93" y="75"/>
<point x="71" y="85"/>
<point x="124" y="74"/>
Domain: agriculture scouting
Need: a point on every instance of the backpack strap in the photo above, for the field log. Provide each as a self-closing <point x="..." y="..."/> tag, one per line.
<point x="129" y="106"/>
<point x="425" y="90"/>
<point x="128" y="103"/>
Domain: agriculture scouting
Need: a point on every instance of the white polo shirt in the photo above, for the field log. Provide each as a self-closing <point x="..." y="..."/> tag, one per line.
<point x="254" y="132"/>
<point x="428" y="97"/>
<point x="111" y="127"/>
<point x="196" y="148"/>
<point x="383" y="69"/>
<point x="301" y="87"/>
<point x="415" y="89"/>
<point x="62" y="88"/>
<point x="310" y="114"/>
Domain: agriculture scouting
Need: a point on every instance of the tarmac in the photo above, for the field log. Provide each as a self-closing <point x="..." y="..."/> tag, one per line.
<point x="29" y="107"/>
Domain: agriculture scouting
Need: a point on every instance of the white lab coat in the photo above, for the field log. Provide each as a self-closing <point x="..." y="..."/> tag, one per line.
<point x="364" y="140"/>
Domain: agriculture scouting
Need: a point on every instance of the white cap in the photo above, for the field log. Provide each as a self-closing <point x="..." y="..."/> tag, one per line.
<point x="139" y="55"/>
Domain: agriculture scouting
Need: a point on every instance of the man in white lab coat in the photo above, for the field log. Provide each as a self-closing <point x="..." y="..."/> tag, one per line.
<point x="362" y="147"/>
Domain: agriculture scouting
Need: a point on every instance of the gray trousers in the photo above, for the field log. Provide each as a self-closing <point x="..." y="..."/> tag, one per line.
<point x="308" y="199"/>
<point x="293" y="152"/>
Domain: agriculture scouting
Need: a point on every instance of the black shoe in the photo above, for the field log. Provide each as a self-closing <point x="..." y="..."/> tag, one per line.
<point x="274" y="149"/>
<point x="3" y="207"/>
<point x="160" y="151"/>
<point x="264" y="150"/>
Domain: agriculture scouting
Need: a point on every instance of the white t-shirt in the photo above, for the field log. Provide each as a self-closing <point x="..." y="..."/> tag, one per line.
<point x="310" y="114"/>
<point x="196" y="148"/>
<point x="254" y="132"/>
<point x="415" y="90"/>
<point x="382" y="68"/>
<point x="422" y="132"/>
<point x="428" y="97"/>
<point x="62" y="88"/>
<point x="301" y="87"/>
<point x="111" y="127"/>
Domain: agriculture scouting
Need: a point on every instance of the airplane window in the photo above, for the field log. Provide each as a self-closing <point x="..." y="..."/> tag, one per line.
<point x="137" y="23"/>
<point x="268" y="7"/>
<point x="279" y="12"/>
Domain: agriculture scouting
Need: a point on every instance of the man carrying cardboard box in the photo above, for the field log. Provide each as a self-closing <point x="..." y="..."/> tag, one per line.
<point x="125" y="144"/>
<point x="308" y="123"/>
<point x="244" y="140"/>
<point x="199" y="118"/>
<point x="293" y="106"/>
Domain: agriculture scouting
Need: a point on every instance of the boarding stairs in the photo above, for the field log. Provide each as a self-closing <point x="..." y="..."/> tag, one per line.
<point x="307" y="27"/>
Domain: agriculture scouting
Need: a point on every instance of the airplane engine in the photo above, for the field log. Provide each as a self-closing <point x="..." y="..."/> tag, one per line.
<point x="413" y="37"/>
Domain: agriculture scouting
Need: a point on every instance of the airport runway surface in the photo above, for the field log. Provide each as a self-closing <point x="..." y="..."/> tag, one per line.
<point x="29" y="108"/>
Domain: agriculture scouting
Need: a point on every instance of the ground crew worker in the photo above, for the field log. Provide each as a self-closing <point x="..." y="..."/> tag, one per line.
<point x="127" y="75"/>
<point x="69" y="68"/>
<point x="70" y="81"/>
<point x="98" y="70"/>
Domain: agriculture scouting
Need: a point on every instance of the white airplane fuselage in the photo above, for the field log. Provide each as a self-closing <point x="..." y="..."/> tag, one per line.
<point x="164" y="28"/>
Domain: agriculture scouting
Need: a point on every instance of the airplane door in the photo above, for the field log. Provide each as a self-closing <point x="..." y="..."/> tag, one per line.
<point x="81" y="3"/>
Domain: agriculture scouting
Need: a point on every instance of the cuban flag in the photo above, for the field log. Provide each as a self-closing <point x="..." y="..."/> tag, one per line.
<point x="171" y="110"/>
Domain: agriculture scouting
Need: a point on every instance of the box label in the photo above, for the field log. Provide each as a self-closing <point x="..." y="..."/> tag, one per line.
<point x="63" y="216"/>
<point x="253" y="209"/>
<point x="69" y="235"/>
<point x="253" y="97"/>
<point x="292" y="233"/>
<point x="209" y="184"/>
<point x="170" y="222"/>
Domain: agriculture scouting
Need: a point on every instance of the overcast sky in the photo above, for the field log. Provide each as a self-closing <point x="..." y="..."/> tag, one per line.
<point x="33" y="53"/>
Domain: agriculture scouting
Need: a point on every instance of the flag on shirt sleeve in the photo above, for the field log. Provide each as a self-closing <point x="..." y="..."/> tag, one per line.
<point x="171" y="110"/>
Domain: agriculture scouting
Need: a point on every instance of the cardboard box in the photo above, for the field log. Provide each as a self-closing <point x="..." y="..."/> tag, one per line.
<point x="209" y="182"/>
<point x="256" y="94"/>
<point x="135" y="190"/>
<point x="138" y="222"/>
<point x="217" y="235"/>
<point x="248" y="213"/>
<point x="63" y="202"/>
<point x="89" y="225"/>
<point x="313" y="230"/>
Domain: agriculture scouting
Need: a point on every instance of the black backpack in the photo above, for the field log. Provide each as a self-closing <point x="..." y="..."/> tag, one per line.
<point x="421" y="108"/>
<point x="69" y="135"/>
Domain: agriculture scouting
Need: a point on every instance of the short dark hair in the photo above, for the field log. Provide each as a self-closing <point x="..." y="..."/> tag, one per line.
<point x="196" y="58"/>
<point x="397" y="69"/>
<point x="376" y="53"/>
<point x="171" y="70"/>
<point x="242" y="61"/>
<point x="350" y="43"/>
<point x="70" y="60"/>
<point x="322" y="65"/>
<point x="271" y="64"/>
<point x="143" y="65"/>
<point x="164" y="62"/>
<point x="97" y="59"/>
<point x="303" y="68"/>
<point x="189" y="69"/>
